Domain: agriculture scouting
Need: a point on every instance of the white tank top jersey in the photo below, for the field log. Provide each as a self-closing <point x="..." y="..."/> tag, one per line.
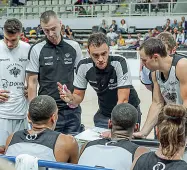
<point x="170" y="88"/>
<point x="13" y="64"/>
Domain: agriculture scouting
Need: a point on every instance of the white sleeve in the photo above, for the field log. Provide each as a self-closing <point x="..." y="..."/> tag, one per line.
<point x="33" y="65"/>
<point x="145" y="76"/>
<point x="123" y="74"/>
<point x="79" y="55"/>
<point x="80" y="81"/>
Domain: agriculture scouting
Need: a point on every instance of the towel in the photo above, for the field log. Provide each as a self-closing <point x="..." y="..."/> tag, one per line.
<point x="26" y="162"/>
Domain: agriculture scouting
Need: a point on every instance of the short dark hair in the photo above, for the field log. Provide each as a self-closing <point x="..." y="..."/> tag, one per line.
<point x="97" y="39"/>
<point x="13" y="26"/>
<point x="124" y="116"/>
<point x="47" y="15"/>
<point x="41" y="108"/>
<point x="152" y="46"/>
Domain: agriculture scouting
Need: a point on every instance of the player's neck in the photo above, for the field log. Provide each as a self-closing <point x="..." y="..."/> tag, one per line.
<point x="165" y="64"/>
<point x="177" y="156"/>
<point x="120" y="134"/>
<point x="39" y="128"/>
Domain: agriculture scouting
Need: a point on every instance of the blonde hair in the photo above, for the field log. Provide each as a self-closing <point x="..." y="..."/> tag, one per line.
<point x="171" y="126"/>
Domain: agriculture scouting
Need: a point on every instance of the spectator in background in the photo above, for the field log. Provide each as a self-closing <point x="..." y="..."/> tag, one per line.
<point x="121" y="41"/>
<point x="63" y="33"/>
<point x="23" y="38"/>
<point x="172" y="132"/>
<point x="103" y="27"/>
<point x="180" y="27"/>
<point x="113" y="26"/>
<point x="175" y="24"/>
<point x="39" y="30"/>
<point x="155" y="32"/>
<point x="69" y="32"/>
<point x="167" y="27"/>
<point x="175" y="32"/>
<point x="130" y="41"/>
<point x="184" y="23"/>
<point x="82" y="11"/>
<point x="180" y="38"/>
<point x="148" y="35"/>
<point x="118" y="152"/>
<point x="113" y="45"/>
<point x="42" y="141"/>
<point x="112" y="36"/>
<point x="123" y="28"/>
<point x="154" y="5"/>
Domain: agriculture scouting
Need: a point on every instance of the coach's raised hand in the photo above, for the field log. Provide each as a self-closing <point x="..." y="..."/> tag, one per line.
<point x="65" y="94"/>
<point x="4" y="95"/>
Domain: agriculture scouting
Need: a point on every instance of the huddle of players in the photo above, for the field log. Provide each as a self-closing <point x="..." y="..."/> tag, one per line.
<point x="100" y="70"/>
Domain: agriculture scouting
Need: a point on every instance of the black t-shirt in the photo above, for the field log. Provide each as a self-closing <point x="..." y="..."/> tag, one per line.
<point x="150" y="161"/>
<point x="106" y="82"/>
<point x="54" y="63"/>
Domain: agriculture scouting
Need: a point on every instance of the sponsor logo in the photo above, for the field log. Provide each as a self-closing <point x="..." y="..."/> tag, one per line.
<point x="15" y="71"/>
<point x="22" y="59"/>
<point x="159" y="166"/>
<point x="50" y="57"/>
<point x="6" y="84"/>
<point x="7" y="59"/>
<point x="49" y="63"/>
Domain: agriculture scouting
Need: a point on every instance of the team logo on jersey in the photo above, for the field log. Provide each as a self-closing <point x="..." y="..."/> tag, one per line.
<point x="159" y="166"/>
<point x="111" y="81"/>
<point x="67" y="55"/>
<point x="15" y="71"/>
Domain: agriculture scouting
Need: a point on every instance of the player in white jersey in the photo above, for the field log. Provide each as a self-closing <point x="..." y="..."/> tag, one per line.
<point x="13" y="61"/>
<point x="169" y="79"/>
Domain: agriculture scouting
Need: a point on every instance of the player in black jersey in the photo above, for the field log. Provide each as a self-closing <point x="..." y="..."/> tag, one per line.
<point x="171" y="132"/>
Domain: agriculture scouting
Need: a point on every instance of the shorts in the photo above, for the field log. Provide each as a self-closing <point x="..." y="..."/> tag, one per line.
<point x="101" y="120"/>
<point x="9" y="126"/>
<point x="69" y="121"/>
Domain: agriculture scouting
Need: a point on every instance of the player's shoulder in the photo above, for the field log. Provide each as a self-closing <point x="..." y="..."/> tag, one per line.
<point x="66" y="141"/>
<point x="24" y="44"/>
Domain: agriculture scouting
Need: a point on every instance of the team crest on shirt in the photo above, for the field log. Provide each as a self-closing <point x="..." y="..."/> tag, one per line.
<point x="111" y="81"/>
<point x="15" y="71"/>
<point x="67" y="55"/>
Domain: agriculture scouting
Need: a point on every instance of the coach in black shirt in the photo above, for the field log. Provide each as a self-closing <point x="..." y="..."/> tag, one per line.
<point x="108" y="75"/>
<point x="53" y="60"/>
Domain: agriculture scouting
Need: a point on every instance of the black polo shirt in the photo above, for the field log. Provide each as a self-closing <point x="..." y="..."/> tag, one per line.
<point x="54" y="63"/>
<point x="106" y="82"/>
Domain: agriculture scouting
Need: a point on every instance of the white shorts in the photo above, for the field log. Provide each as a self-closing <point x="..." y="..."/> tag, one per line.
<point x="9" y="126"/>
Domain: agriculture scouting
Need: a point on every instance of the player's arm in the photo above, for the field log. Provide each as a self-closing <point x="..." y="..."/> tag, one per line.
<point x="32" y="83"/>
<point x="66" y="149"/>
<point x="181" y="73"/>
<point x="124" y="82"/>
<point x="8" y="142"/>
<point x="154" y="110"/>
<point x="32" y="71"/>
